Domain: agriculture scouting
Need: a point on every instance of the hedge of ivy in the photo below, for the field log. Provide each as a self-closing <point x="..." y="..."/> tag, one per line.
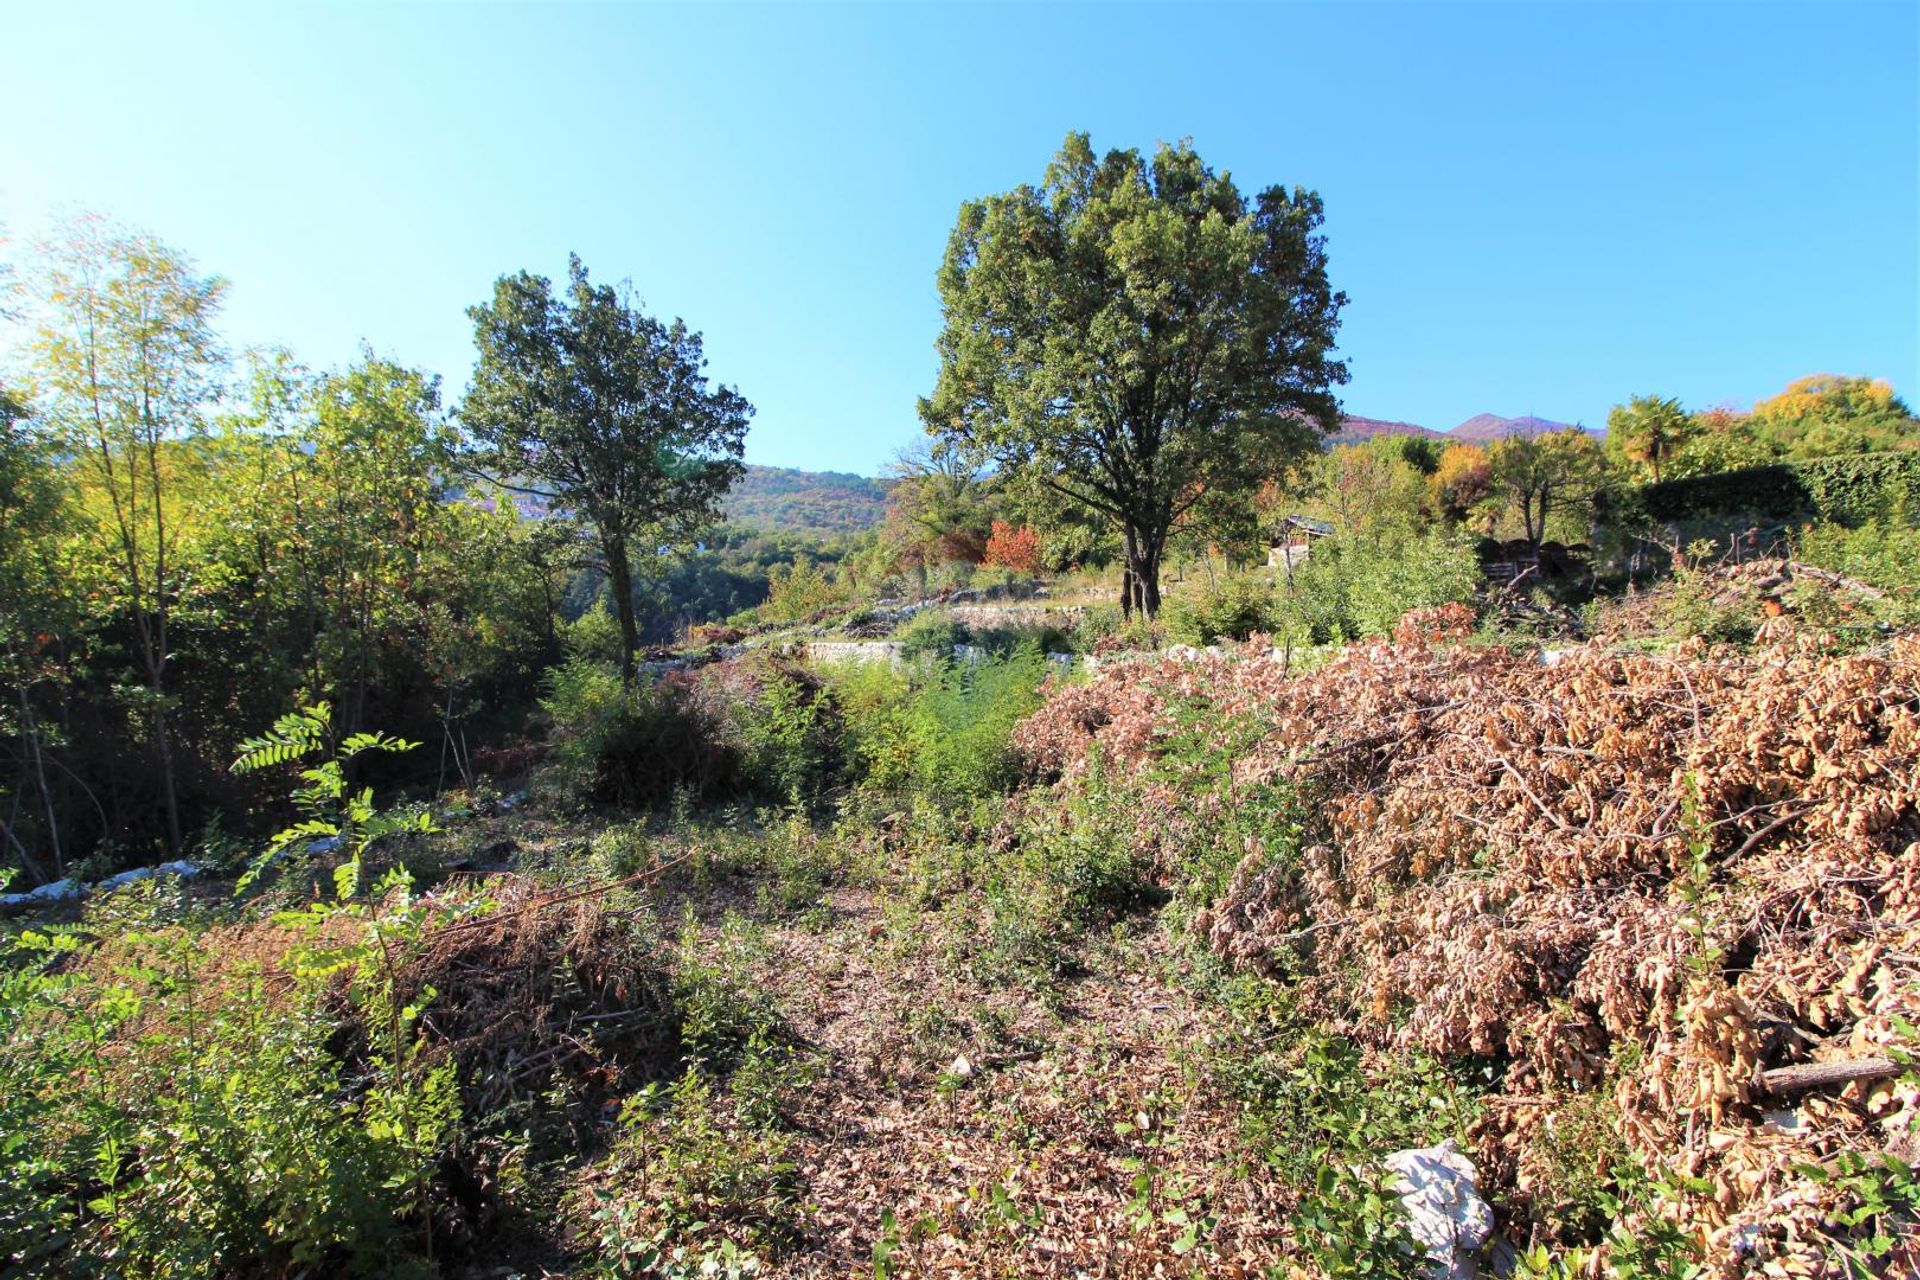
<point x="1849" y="490"/>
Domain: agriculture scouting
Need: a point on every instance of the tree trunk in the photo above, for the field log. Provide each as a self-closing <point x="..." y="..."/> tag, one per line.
<point x="1140" y="581"/>
<point x="175" y="842"/>
<point x="620" y="571"/>
<point x="30" y="731"/>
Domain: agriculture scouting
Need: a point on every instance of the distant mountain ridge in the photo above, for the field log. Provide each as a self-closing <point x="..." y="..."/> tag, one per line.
<point x="1478" y="429"/>
<point x="1357" y="430"/>
<point x="1491" y="426"/>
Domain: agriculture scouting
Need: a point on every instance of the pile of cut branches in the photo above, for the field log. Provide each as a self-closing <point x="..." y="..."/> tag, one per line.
<point x="1688" y="882"/>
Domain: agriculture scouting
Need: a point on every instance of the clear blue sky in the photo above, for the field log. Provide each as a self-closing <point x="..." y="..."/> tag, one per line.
<point x="1534" y="209"/>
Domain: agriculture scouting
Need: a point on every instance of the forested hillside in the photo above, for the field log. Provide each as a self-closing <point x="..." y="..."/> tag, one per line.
<point x="827" y="503"/>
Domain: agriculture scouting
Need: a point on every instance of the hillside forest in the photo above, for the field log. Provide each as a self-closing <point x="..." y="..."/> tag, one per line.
<point x="505" y="834"/>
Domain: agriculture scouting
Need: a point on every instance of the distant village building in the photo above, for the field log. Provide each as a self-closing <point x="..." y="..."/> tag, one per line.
<point x="1290" y="546"/>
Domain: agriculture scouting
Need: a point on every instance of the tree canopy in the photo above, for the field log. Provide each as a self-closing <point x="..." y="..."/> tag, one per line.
<point x="1824" y="414"/>
<point x="1557" y="474"/>
<point x="608" y="411"/>
<point x="1648" y="431"/>
<point x="1134" y="334"/>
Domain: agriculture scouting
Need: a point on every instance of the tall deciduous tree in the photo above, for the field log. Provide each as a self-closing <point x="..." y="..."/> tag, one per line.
<point x="1136" y="334"/>
<point x="1649" y="431"/>
<point x="1555" y="473"/>
<point x="608" y="410"/>
<point x="128" y="362"/>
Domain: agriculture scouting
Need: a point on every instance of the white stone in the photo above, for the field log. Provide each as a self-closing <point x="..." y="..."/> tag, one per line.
<point x="180" y="868"/>
<point x="1445" y="1213"/>
<point x="55" y="891"/>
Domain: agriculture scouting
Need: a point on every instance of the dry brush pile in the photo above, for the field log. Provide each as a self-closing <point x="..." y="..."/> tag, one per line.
<point x="1674" y="881"/>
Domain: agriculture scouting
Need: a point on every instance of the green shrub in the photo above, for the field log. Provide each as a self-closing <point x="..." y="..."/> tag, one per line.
<point x="878" y="744"/>
<point x="622" y="850"/>
<point x="1001" y="642"/>
<point x="1883" y="553"/>
<point x="1095" y="623"/>
<point x="961" y="723"/>
<point x="1572" y="1159"/>
<point x="786" y="718"/>
<point x="1231" y="609"/>
<point x="594" y="636"/>
<point x="1354" y="587"/>
<point x="722" y="1008"/>
<point x="631" y="747"/>
<point x="930" y="633"/>
<point x="1084" y="857"/>
<point x="800" y="590"/>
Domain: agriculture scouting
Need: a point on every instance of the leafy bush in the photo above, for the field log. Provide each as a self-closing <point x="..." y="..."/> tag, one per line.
<point x="1001" y="642"/>
<point x="1691" y="609"/>
<point x="1014" y="548"/>
<point x="1354" y="587"/>
<point x="930" y="633"/>
<point x="1231" y="609"/>
<point x="631" y="747"/>
<point x="593" y="636"/>
<point x="800" y="590"/>
<point x="1883" y="553"/>
<point x="878" y="744"/>
<point x="961" y="723"/>
<point x="790" y="729"/>
<point x="1097" y="623"/>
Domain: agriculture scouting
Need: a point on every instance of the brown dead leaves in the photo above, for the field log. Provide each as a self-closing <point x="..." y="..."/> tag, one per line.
<point x="1673" y="869"/>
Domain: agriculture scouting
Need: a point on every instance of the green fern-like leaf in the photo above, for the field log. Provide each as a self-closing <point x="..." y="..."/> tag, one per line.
<point x="292" y="736"/>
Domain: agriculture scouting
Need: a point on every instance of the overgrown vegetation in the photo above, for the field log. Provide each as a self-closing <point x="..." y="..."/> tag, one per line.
<point x="627" y="894"/>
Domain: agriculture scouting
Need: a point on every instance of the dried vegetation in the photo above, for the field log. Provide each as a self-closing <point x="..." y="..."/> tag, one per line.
<point x="1651" y="889"/>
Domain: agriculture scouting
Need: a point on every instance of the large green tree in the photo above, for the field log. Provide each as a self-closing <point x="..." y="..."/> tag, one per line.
<point x="607" y="410"/>
<point x="1135" y="335"/>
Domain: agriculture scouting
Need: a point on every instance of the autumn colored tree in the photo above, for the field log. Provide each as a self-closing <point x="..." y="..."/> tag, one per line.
<point x="1826" y="413"/>
<point x="1014" y="547"/>
<point x="1462" y="482"/>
